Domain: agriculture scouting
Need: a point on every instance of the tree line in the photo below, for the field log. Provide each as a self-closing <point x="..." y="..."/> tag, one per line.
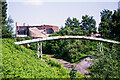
<point x="108" y="27"/>
<point x="6" y="24"/>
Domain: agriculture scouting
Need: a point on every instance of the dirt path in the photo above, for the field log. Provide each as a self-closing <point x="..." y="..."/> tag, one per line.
<point x="81" y="67"/>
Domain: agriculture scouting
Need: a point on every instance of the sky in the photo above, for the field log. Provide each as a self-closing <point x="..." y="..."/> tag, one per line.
<point x="55" y="12"/>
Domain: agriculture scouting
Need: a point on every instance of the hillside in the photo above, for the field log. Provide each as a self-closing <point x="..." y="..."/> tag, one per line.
<point x="18" y="61"/>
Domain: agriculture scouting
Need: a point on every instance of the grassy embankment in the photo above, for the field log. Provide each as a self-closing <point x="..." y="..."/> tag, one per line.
<point x="18" y="61"/>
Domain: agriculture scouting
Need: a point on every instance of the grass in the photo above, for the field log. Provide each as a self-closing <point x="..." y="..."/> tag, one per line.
<point x="20" y="62"/>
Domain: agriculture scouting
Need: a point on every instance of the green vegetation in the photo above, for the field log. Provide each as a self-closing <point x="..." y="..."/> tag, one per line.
<point x="74" y="27"/>
<point x="109" y="26"/>
<point x="70" y="50"/>
<point x="18" y="61"/>
<point x="0" y="58"/>
<point x="73" y="50"/>
<point x="107" y="66"/>
<point x="6" y="24"/>
<point x="73" y="73"/>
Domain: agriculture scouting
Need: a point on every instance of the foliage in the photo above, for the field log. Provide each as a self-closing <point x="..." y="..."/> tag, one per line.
<point x="27" y="38"/>
<point x="54" y="63"/>
<point x="73" y="73"/>
<point x="106" y="20"/>
<point x="9" y="24"/>
<point x="88" y="24"/>
<point x="4" y="12"/>
<point x="109" y="25"/>
<point x="20" y="62"/>
<point x="107" y="66"/>
<point x="70" y="50"/>
<point x="20" y="39"/>
<point x="0" y="59"/>
<point x="6" y="24"/>
<point x="115" y="30"/>
<point x="5" y="32"/>
<point x="74" y="27"/>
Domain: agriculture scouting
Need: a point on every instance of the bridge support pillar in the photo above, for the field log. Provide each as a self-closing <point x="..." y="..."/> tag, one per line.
<point x="39" y="50"/>
<point x="101" y="48"/>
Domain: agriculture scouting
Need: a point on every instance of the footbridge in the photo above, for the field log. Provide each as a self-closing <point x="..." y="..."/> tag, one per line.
<point x="39" y="41"/>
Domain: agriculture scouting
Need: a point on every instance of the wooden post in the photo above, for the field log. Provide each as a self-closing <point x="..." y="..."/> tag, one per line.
<point x="39" y="50"/>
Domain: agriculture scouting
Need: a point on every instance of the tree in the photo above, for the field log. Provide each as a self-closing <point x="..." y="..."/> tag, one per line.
<point x="68" y="22"/>
<point x="88" y="24"/>
<point x="6" y="24"/>
<point x="107" y="66"/>
<point x="0" y="19"/>
<point x="4" y="10"/>
<point x="7" y="29"/>
<point x="105" y="24"/>
<point x="109" y="26"/>
<point x="72" y="23"/>
<point x="115" y="28"/>
<point x="72" y="27"/>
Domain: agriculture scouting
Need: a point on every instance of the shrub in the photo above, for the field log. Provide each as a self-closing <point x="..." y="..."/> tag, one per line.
<point x="69" y="49"/>
<point x="20" y="62"/>
<point x="107" y="66"/>
<point x="27" y="38"/>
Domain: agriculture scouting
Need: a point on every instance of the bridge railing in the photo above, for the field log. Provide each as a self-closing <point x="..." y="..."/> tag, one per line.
<point x="65" y="37"/>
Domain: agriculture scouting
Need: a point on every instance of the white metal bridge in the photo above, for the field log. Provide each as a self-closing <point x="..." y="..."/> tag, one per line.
<point x="39" y="41"/>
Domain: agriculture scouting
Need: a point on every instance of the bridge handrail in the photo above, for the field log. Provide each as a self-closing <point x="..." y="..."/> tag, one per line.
<point x="65" y="37"/>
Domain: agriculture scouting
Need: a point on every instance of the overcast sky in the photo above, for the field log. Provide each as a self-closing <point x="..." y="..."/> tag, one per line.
<point x="55" y="12"/>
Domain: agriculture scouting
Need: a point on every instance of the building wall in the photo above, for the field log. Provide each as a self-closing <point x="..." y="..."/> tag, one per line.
<point x="21" y="30"/>
<point x="55" y="28"/>
<point x="47" y="28"/>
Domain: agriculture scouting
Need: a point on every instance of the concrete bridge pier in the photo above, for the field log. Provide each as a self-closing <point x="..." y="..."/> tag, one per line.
<point x="39" y="50"/>
<point x="101" y="48"/>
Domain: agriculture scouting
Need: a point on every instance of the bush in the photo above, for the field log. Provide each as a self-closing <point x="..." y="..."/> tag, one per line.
<point x="54" y="63"/>
<point x="20" y="62"/>
<point x="71" y="50"/>
<point x="107" y="66"/>
<point x="73" y="73"/>
<point x="28" y="38"/>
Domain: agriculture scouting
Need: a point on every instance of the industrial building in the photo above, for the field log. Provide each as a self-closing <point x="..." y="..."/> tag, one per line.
<point x="35" y="31"/>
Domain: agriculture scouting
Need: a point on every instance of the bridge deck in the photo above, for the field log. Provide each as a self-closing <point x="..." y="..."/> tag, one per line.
<point x="65" y="37"/>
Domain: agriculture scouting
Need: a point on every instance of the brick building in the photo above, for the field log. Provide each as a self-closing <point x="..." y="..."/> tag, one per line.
<point x="25" y="30"/>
